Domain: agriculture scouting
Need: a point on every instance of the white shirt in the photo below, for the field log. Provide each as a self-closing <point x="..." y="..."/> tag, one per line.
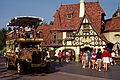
<point x="17" y="49"/>
<point x="113" y="54"/>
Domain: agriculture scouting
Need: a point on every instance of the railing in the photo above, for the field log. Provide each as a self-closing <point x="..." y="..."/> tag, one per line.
<point x="24" y="34"/>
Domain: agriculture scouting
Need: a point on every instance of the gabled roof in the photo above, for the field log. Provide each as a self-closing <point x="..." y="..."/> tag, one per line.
<point x="117" y="13"/>
<point x="112" y="24"/>
<point x="92" y="9"/>
<point x="60" y="17"/>
<point x="94" y="13"/>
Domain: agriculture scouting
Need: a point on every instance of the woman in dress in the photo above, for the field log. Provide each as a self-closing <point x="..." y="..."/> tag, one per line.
<point x="106" y="59"/>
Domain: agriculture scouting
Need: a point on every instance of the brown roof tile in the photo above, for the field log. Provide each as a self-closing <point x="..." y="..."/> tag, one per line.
<point x="46" y="33"/>
<point x="60" y="17"/>
<point x="92" y="10"/>
<point x="113" y="24"/>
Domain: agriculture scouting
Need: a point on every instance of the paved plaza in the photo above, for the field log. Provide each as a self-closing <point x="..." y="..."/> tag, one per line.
<point x="63" y="71"/>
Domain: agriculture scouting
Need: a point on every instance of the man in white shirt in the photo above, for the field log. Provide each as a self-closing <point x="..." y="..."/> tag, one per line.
<point x="113" y="58"/>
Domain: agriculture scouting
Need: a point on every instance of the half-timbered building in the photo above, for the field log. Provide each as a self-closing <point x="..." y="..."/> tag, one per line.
<point x="76" y="27"/>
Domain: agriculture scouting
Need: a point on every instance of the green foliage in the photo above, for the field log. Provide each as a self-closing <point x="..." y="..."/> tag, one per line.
<point x="2" y="38"/>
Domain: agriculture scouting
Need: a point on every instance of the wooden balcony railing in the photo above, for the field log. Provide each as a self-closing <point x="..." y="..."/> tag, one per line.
<point x="24" y="35"/>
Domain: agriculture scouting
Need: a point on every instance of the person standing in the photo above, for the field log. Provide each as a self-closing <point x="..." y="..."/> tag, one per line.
<point x="93" y="58"/>
<point x="60" y="55"/>
<point x="99" y="59"/>
<point x="17" y="50"/>
<point x="113" y="58"/>
<point x="73" y="56"/>
<point x="106" y="59"/>
<point x="89" y="58"/>
<point x="84" y="59"/>
<point x="67" y="56"/>
<point x="80" y="56"/>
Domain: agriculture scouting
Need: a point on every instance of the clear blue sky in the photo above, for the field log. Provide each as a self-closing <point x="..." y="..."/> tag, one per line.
<point x="43" y="8"/>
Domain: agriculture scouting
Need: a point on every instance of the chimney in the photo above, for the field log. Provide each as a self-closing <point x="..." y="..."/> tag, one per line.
<point x="82" y="8"/>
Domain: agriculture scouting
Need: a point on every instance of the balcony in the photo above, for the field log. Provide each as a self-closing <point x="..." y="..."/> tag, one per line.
<point x="25" y="36"/>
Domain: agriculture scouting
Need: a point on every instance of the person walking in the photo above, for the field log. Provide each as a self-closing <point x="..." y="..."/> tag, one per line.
<point x="60" y="55"/>
<point x="80" y="56"/>
<point x="93" y="58"/>
<point x="84" y="59"/>
<point x="113" y="58"/>
<point x="89" y="58"/>
<point x="99" y="59"/>
<point x="106" y="59"/>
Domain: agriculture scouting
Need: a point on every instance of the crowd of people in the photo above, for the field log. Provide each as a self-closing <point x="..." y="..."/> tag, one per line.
<point x="25" y="32"/>
<point x="95" y="60"/>
<point x="66" y="56"/>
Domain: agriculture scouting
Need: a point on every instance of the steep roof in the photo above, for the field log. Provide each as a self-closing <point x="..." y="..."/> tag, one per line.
<point x="92" y="9"/>
<point x="60" y="17"/>
<point x="61" y="23"/>
<point x="112" y="24"/>
<point x="94" y="13"/>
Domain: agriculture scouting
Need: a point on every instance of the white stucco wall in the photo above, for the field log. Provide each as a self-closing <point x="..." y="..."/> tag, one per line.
<point x="110" y="36"/>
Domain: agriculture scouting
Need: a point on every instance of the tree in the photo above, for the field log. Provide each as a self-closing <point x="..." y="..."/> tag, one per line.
<point x="2" y="38"/>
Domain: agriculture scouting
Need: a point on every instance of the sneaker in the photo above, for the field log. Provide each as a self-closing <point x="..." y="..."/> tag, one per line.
<point x="111" y="63"/>
<point x="83" y="67"/>
<point x="99" y="70"/>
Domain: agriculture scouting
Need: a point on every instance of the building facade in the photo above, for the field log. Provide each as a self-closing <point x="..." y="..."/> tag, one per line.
<point x="112" y="31"/>
<point x="76" y="27"/>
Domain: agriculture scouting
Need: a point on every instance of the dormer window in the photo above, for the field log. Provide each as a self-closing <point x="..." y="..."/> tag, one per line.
<point x="69" y="16"/>
<point x="86" y="26"/>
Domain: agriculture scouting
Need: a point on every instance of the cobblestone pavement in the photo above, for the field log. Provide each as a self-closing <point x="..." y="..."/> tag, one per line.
<point x="63" y="71"/>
